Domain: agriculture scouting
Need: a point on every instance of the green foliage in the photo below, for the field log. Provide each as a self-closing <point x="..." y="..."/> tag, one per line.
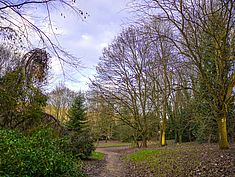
<point x="123" y="132"/>
<point x="142" y="155"/>
<point x="21" y="96"/>
<point x="206" y="131"/>
<point x="20" y="106"/>
<point x="77" y="114"/>
<point x="80" y="144"/>
<point x="206" y="128"/>
<point x="97" y="156"/>
<point x="37" y="155"/>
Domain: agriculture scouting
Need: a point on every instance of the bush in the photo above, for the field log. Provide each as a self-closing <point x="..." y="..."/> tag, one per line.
<point x="37" y="155"/>
<point x="81" y="144"/>
<point x="206" y="131"/>
<point x="21" y="106"/>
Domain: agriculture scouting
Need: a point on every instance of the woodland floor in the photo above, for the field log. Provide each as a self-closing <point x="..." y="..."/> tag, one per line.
<point x="205" y="160"/>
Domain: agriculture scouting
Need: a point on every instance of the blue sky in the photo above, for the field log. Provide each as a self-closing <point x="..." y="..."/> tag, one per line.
<point x="86" y="39"/>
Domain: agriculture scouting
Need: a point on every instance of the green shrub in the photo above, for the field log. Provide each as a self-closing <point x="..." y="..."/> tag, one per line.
<point x="37" y="155"/>
<point x="81" y="144"/>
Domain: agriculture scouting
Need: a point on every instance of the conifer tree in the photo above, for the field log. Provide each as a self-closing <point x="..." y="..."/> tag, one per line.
<point x="77" y="114"/>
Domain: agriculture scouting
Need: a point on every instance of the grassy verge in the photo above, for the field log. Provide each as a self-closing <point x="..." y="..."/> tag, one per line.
<point x="183" y="160"/>
<point x="97" y="156"/>
<point x="142" y="155"/>
<point x="155" y="160"/>
<point x="113" y="144"/>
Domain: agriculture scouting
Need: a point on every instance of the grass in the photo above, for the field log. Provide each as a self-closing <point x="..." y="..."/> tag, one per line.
<point x="156" y="160"/>
<point x="142" y="155"/>
<point x="97" y="156"/>
<point x="164" y="161"/>
<point x="113" y="144"/>
<point x="182" y="160"/>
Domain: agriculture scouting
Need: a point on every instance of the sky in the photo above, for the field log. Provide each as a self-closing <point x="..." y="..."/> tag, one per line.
<point x="86" y="38"/>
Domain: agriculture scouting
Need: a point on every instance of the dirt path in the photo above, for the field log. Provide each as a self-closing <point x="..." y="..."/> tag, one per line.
<point x="189" y="159"/>
<point x="114" y="166"/>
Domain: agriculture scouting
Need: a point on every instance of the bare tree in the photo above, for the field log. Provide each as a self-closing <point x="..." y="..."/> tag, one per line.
<point x="9" y="60"/>
<point x="100" y="116"/>
<point x="123" y="81"/>
<point x="23" y="24"/>
<point x="204" y="35"/>
<point x="59" y="101"/>
<point x="161" y="69"/>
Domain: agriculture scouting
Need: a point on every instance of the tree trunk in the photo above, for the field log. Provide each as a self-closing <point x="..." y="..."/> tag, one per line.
<point x="176" y="137"/>
<point x="165" y="103"/>
<point x="209" y="138"/>
<point x="223" y="139"/>
<point x="106" y="139"/>
<point x="163" y="136"/>
<point x="163" y="128"/>
<point x="135" y="140"/>
<point x="230" y="130"/>
<point x="189" y="136"/>
<point x="180" y="138"/>
<point x="144" y="142"/>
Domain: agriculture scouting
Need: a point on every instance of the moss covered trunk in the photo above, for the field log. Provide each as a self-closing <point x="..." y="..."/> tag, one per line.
<point x="163" y="138"/>
<point x="222" y="131"/>
<point x="163" y="132"/>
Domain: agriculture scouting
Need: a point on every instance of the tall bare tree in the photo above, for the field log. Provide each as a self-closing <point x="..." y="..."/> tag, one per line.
<point x="162" y="67"/>
<point x="124" y="83"/>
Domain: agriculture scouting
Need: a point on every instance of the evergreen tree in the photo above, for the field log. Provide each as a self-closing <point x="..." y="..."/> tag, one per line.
<point x="77" y="114"/>
<point x="81" y="142"/>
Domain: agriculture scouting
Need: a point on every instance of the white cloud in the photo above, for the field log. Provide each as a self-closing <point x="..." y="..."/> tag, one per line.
<point x="87" y="39"/>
